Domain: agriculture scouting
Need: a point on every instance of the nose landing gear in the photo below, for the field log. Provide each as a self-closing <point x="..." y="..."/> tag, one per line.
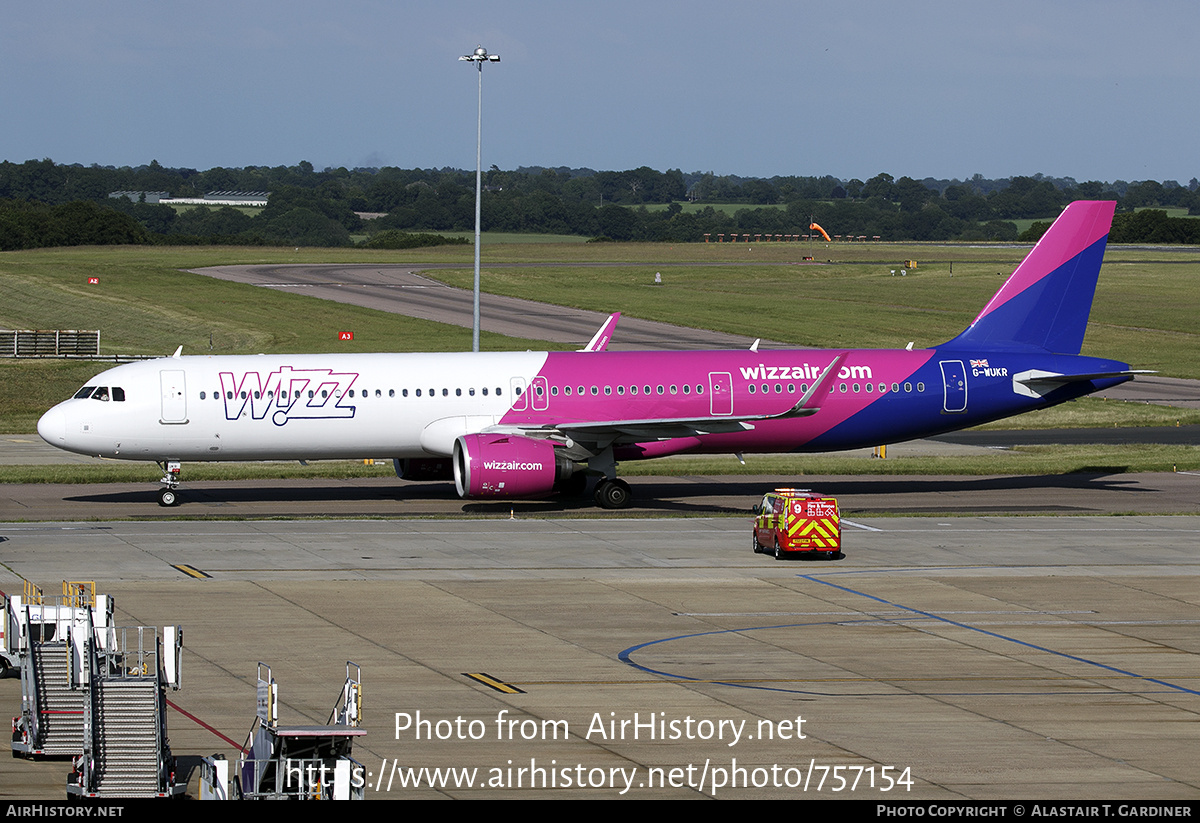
<point x="167" y="494"/>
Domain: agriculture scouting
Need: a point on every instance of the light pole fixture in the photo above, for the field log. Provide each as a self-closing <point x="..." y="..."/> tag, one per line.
<point x="478" y="57"/>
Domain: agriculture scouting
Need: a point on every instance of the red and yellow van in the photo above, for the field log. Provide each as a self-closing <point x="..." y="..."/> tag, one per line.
<point x="798" y="523"/>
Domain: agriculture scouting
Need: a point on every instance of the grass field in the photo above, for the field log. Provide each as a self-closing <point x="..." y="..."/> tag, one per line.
<point x="146" y="304"/>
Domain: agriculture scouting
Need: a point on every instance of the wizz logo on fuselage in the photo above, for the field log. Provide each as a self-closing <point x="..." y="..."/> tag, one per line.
<point x="288" y="394"/>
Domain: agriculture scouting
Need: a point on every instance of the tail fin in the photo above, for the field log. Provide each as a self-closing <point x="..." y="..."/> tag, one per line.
<point x="1045" y="303"/>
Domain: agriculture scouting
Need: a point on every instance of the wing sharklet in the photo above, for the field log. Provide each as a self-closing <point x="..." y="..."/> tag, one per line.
<point x="599" y="341"/>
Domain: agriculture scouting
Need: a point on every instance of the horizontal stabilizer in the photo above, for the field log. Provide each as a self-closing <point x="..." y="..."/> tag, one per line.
<point x="1039" y="383"/>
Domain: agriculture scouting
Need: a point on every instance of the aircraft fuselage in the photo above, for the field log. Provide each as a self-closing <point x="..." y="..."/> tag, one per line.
<point x="333" y="406"/>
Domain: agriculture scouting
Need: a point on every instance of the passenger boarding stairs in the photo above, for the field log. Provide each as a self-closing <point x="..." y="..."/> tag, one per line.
<point x="126" y="752"/>
<point x="47" y="636"/>
<point x="58" y="721"/>
<point x="294" y="762"/>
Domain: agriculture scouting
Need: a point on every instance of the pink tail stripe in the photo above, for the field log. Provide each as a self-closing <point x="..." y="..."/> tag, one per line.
<point x="1080" y="225"/>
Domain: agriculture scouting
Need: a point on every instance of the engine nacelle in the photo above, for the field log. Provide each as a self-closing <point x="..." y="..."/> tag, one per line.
<point x="504" y="465"/>
<point x="424" y="468"/>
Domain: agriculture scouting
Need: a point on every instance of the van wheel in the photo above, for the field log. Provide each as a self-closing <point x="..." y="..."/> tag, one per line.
<point x="757" y="546"/>
<point x="778" y="551"/>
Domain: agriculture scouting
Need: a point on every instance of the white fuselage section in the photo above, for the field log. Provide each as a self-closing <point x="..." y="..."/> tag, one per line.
<point x="261" y="407"/>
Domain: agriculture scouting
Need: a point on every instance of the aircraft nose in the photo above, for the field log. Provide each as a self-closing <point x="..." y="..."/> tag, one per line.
<point x="53" y="426"/>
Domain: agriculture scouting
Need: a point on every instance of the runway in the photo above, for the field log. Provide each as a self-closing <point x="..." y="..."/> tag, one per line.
<point x="405" y="290"/>
<point x="969" y="658"/>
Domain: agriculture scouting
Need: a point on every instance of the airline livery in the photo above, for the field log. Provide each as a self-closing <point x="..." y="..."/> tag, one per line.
<point x="530" y="424"/>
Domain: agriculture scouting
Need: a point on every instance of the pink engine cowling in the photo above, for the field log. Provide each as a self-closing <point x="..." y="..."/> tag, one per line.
<point x="502" y="465"/>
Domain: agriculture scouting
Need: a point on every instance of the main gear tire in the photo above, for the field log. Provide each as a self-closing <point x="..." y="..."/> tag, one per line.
<point x="613" y="494"/>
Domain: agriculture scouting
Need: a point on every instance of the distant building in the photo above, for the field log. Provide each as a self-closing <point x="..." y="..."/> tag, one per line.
<point x="221" y="198"/>
<point x="136" y="196"/>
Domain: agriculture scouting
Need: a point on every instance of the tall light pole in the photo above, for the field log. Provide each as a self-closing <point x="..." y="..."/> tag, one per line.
<point x="478" y="57"/>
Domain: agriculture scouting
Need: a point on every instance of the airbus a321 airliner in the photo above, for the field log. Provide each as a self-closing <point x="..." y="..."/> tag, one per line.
<point x="529" y="424"/>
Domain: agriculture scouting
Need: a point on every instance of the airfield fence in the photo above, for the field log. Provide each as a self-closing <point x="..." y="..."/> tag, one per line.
<point x="49" y="343"/>
<point x="62" y="344"/>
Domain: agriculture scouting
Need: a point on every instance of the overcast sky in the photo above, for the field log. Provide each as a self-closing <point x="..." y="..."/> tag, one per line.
<point x="1091" y="90"/>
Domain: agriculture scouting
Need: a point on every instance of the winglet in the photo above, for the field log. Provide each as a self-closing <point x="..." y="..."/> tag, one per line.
<point x="817" y="392"/>
<point x="599" y="341"/>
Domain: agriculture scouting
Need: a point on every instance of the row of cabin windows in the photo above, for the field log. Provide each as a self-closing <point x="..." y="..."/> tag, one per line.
<point x="856" y="388"/>
<point x="115" y="393"/>
<point x="621" y="390"/>
<point x="363" y="393"/>
<point x="752" y="388"/>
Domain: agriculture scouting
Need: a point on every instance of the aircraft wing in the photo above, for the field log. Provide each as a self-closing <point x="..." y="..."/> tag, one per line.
<point x="608" y="432"/>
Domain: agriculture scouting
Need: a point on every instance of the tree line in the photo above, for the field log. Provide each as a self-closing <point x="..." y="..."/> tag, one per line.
<point x="44" y="203"/>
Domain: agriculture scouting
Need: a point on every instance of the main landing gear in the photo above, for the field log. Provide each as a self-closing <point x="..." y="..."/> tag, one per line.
<point x="168" y="494"/>
<point x="610" y="493"/>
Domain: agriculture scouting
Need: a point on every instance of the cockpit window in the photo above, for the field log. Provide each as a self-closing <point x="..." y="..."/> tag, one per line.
<point x="101" y="393"/>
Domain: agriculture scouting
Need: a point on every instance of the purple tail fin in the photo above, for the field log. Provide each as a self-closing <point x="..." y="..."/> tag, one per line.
<point x="1046" y="302"/>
